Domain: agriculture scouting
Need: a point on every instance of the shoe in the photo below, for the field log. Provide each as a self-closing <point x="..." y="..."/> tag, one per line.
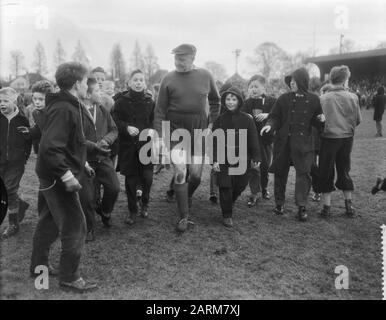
<point x="78" y="286"/>
<point x="130" y="218"/>
<point x="302" y="214"/>
<point x="228" y="222"/>
<point x="325" y="213"/>
<point x="90" y="236"/>
<point x="316" y="197"/>
<point x="377" y="188"/>
<point x="11" y="230"/>
<point x="105" y="217"/>
<point x="182" y="225"/>
<point x="350" y="211"/>
<point x="279" y="210"/>
<point x="213" y="199"/>
<point x="144" y="213"/>
<point x="23" y="207"/>
<point x="170" y="196"/>
<point x="265" y="195"/>
<point x="252" y="201"/>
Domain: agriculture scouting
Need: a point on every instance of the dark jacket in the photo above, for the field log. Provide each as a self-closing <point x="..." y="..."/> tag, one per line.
<point x="236" y="120"/>
<point x="63" y="144"/>
<point x="132" y="109"/>
<point x="104" y="128"/>
<point x="292" y="116"/>
<point x="265" y="104"/>
<point x="379" y="102"/>
<point x="14" y="147"/>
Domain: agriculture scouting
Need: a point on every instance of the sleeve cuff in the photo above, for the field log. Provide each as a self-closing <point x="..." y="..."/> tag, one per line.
<point x="67" y="176"/>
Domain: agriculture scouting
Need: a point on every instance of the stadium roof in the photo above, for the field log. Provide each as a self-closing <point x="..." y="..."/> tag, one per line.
<point x="362" y="63"/>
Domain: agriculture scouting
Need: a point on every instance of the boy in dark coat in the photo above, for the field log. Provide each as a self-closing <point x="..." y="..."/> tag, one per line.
<point x="231" y="186"/>
<point x="258" y="105"/>
<point x="60" y="164"/>
<point x="379" y="103"/>
<point x="292" y="117"/>
<point x="14" y="153"/>
<point x="101" y="132"/>
<point x="134" y="112"/>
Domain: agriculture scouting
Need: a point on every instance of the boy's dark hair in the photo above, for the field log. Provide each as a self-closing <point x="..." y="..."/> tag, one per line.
<point x="257" y="77"/>
<point x="339" y="74"/>
<point x="133" y="73"/>
<point x="43" y="86"/>
<point x="69" y="73"/>
<point x="91" y="83"/>
<point x="98" y="69"/>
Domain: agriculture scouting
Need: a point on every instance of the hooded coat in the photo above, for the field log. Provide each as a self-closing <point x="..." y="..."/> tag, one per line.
<point x="379" y="103"/>
<point x="292" y="117"/>
<point x="235" y="120"/>
<point x="132" y="109"/>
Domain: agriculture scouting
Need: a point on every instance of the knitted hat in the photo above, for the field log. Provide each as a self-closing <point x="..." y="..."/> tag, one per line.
<point x="236" y="92"/>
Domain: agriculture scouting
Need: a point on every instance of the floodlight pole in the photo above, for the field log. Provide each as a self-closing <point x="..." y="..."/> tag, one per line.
<point x="341" y="44"/>
<point x="237" y="55"/>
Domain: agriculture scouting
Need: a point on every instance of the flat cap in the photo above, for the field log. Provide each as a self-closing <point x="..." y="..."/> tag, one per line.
<point x="185" y="48"/>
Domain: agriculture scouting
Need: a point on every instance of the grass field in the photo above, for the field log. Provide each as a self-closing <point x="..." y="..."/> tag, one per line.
<point x="263" y="257"/>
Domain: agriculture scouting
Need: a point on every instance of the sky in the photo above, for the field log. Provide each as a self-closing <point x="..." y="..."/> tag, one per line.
<point x="215" y="27"/>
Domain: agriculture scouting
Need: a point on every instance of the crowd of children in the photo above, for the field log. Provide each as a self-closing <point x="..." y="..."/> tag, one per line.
<point x="75" y="131"/>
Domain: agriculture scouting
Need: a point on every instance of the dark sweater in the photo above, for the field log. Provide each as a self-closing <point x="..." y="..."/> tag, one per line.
<point x="186" y="93"/>
<point x="14" y="147"/>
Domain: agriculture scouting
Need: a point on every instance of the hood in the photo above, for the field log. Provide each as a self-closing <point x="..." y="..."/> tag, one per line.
<point x="62" y="95"/>
<point x="234" y="91"/>
<point x="301" y="78"/>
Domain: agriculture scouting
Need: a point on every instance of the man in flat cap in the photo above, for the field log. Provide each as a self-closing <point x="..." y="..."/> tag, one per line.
<point x="183" y="96"/>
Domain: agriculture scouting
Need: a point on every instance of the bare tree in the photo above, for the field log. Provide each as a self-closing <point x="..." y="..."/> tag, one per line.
<point x="217" y="69"/>
<point x="269" y="60"/>
<point x="118" y="65"/>
<point x="59" y="54"/>
<point x="137" y="61"/>
<point x="80" y="55"/>
<point x="381" y="45"/>
<point x="39" y="65"/>
<point x="17" y="62"/>
<point x="150" y="63"/>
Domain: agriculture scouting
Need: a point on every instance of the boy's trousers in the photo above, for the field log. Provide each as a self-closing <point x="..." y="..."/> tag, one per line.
<point x="302" y="164"/>
<point x="106" y="176"/>
<point x="131" y="184"/>
<point x="335" y="153"/>
<point x="60" y="213"/>
<point x="258" y="179"/>
<point x="11" y="175"/>
<point x="228" y="195"/>
<point x="87" y="199"/>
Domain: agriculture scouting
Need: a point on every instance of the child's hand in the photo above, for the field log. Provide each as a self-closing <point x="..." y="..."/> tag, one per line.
<point x="89" y="171"/>
<point x="321" y="118"/>
<point x="255" y="165"/>
<point x="72" y="185"/>
<point x="103" y="144"/>
<point x="23" y="130"/>
<point x="261" y="117"/>
<point x="265" y="129"/>
<point x="216" y="167"/>
<point x="133" y="131"/>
